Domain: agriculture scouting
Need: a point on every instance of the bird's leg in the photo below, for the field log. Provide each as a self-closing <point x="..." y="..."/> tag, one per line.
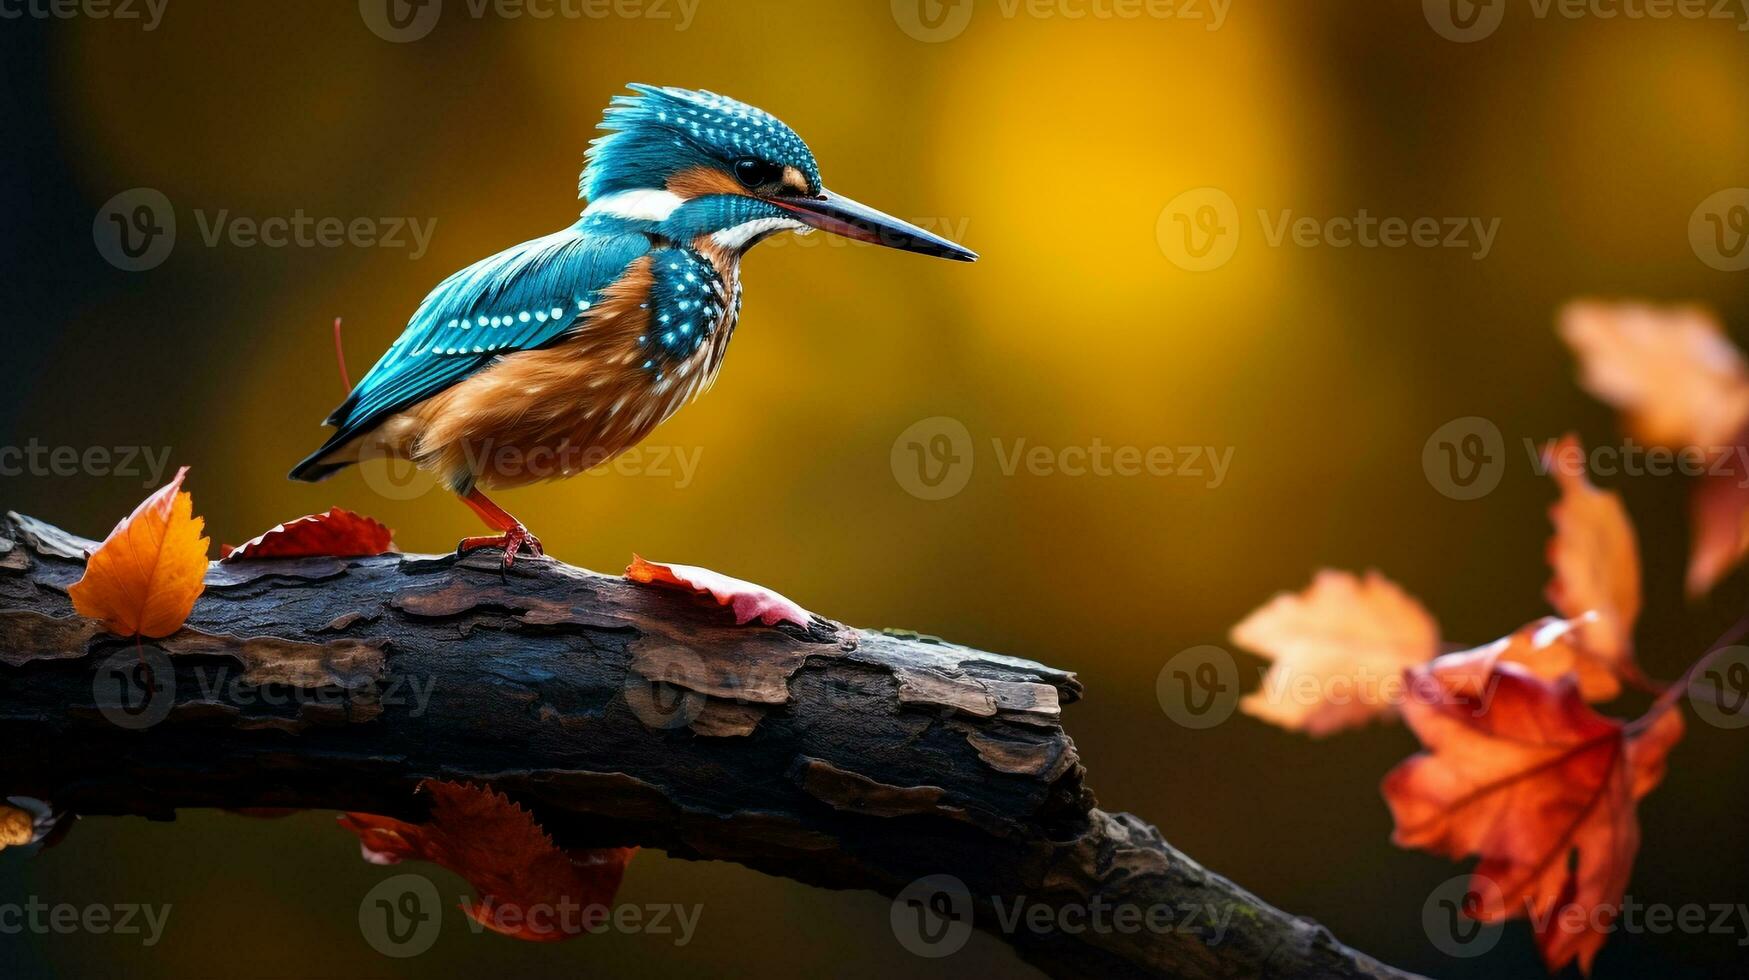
<point x="515" y="537"/>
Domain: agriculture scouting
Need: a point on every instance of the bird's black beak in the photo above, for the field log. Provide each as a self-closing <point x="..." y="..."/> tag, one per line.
<point x="842" y="216"/>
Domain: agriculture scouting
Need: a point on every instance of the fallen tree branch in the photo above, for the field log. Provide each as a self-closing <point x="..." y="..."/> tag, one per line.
<point x="620" y="715"/>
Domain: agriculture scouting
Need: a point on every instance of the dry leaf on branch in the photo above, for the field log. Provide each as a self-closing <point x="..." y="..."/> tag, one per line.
<point x="144" y="578"/>
<point x="338" y="533"/>
<point x="747" y="600"/>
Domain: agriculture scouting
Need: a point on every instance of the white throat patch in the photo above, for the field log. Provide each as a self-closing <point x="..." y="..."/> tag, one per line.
<point x="640" y="205"/>
<point x="738" y="236"/>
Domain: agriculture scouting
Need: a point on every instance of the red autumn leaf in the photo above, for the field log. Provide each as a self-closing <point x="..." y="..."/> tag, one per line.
<point x="1524" y="774"/>
<point x="525" y="886"/>
<point x="144" y="578"/>
<point x="1339" y="649"/>
<point x="748" y="601"/>
<point x="1596" y="561"/>
<point x="337" y="534"/>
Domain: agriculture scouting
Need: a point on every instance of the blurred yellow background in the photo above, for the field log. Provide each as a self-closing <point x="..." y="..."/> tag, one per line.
<point x="1053" y="146"/>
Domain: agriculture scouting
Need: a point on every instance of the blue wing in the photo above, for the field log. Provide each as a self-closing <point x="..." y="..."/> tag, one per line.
<point x="521" y="299"/>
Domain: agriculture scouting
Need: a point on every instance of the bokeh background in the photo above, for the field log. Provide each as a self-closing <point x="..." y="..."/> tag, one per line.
<point x="1049" y="143"/>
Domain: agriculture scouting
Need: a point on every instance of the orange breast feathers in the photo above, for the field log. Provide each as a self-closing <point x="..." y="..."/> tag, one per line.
<point x="554" y="412"/>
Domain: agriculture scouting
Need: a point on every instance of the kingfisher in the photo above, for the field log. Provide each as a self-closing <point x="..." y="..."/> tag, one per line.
<point x="558" y="354"/>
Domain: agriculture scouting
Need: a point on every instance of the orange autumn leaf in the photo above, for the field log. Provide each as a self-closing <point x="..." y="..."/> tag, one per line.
<point x="1719" y="516"/>
<point x="745" y="599"/>
<point x="524" y="885"/>
<point x="1671" y="371"/>
<point x="1339" y="649"/>
<point x="1595" y="559"/>
<point x="1524" y="774"/>
<point x="144" y="578"/>
<point x="1679" y="383"/>
<point x="1549" y="648"/>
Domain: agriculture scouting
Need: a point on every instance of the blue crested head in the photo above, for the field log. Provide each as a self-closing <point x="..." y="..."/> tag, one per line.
<point x="663" y="132"/>
<point x="689" y="165"/>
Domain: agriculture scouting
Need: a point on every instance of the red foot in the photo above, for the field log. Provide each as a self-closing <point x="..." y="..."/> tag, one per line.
<point x="515" y="540"/>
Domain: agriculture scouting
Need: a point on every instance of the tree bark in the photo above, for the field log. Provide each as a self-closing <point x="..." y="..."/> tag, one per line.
<point x="620" y="714"/>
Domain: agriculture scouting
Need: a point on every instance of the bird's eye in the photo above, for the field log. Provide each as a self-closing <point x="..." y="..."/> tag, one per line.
<point x="752" y="172"/>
